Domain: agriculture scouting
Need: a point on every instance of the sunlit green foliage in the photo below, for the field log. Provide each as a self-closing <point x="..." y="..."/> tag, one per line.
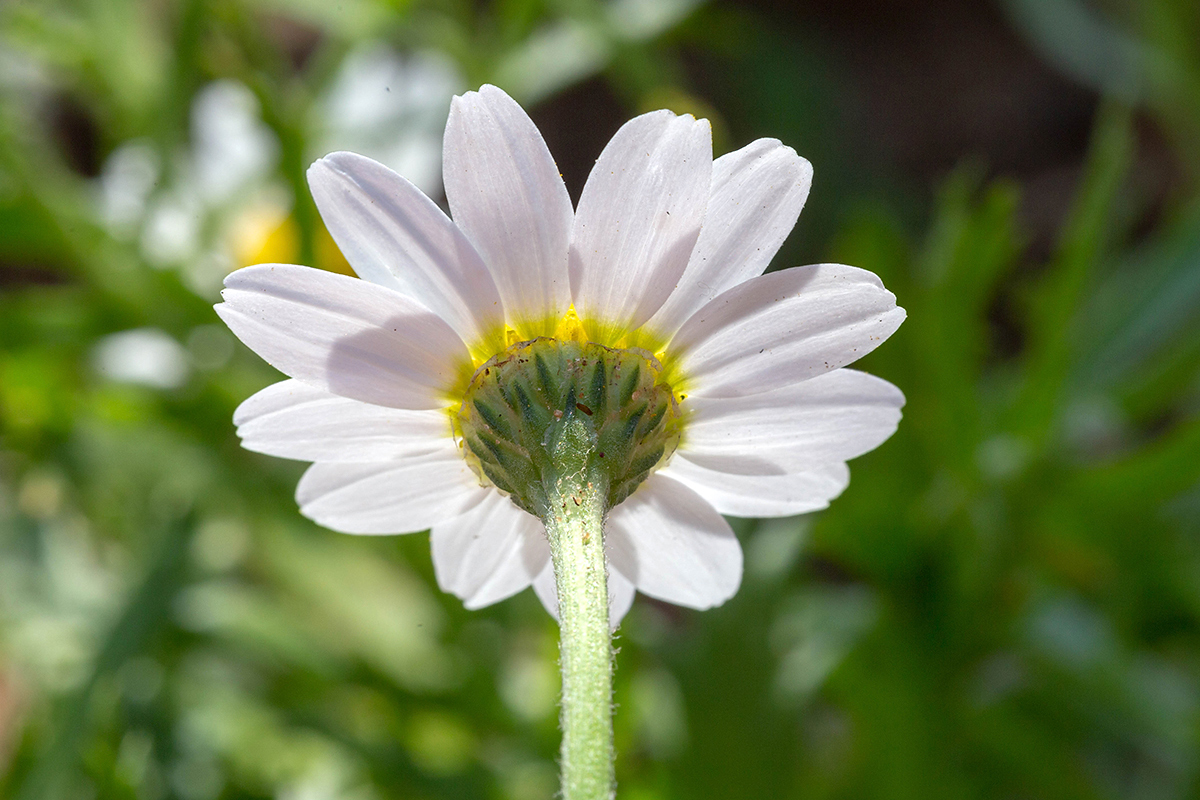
<point x="1005" y="603"/>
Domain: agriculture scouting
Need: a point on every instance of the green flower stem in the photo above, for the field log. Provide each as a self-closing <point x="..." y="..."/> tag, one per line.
<point x="568" y="430"/>
<point x="574" y="520"/>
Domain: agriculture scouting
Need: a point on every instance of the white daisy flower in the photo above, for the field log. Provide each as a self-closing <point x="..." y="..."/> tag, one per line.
<point x="402" y="382"/>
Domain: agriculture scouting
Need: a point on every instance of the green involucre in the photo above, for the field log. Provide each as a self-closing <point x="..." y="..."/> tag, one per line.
<point x="520" y="402"/>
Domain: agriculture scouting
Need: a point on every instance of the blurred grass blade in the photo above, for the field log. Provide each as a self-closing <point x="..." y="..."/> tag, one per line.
<point x="145" y="612"/>
<point x="1090" y="229"/>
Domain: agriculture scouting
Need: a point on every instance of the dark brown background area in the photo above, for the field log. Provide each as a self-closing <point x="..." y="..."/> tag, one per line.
<point x="907" y="90"/>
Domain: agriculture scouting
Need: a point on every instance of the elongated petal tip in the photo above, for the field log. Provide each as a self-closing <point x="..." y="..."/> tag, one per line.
<point x="785" y="327"/>
<point x="291" y="419"/>
<point x="638" y="219"/>
<point x="674" y="546"/>
<point x="751" y="495"/>
<point x="342" y="335"/>
<point x="389" y="497"/>
<point x="756" y="196"/>
<point x="505" y="193"/>
<point x="796" y="428"/>
<point x="489" y="553"/>
<point x="338" y="163"/>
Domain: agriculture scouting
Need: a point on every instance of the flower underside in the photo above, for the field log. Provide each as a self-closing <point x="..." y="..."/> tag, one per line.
<point x="550" y="404"/>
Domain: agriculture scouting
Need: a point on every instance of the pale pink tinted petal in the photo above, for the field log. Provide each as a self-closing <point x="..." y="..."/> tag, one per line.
<point x="784" y="327"/>
<point x="833" y="417"/>
<point x="391" y="496"/>
<point x="771" y="495"/>
<point x="674" y="546"/>
<point x="393" y="235"/>
<point x="343" y="335"/>
<point x="489" y="553"/>
<point x="291" y="419"/>
<point x="506" y="194"/>
<point x="620" y="593"/>
<point x="757" y="194"/>
<point x="638" y="219"/>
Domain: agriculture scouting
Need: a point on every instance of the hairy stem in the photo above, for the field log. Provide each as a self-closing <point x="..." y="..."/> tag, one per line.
<point x="574" y="523"/>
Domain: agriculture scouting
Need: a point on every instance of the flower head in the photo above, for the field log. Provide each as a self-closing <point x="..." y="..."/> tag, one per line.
<point x="400" y="381"/>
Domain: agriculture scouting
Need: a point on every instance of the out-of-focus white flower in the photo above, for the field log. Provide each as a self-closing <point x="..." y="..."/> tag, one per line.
<point x="125" y="185"/>
<point x="231" y="146"/>
<point x="171" y="234"/>
<point x="661" y="262"/>
<point x="392" y="109"/>
<point x="147" y="356"/>
<point x="185" y="214"/>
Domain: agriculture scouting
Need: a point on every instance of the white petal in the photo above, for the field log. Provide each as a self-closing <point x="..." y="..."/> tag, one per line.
<point x="742" y="495"/>
<point x="513" y="575"/>
<point x="343" y="335"/>
<point x="782" y="328"/>
<point x="620" y="593"/>
<point x="546" y="591"/>
<point x="674" y="546"/>
<point x="833" y="417"/>
<point x="757" y="194"/>
<point x="620" y="596"/>
<point x="390" y="497"/>
<point x="393" y="235"/>
<point x="291" y="419"/>
<point x="638" y="219"/>
<point x="507" y="196"/>
<point x="489" y="553"/>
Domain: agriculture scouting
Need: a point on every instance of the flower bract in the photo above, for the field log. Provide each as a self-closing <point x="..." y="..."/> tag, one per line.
<point x="405" y="384"/>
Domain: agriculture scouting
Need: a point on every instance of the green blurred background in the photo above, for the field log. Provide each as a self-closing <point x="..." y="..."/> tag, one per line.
<point x="1004" y="604"/>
